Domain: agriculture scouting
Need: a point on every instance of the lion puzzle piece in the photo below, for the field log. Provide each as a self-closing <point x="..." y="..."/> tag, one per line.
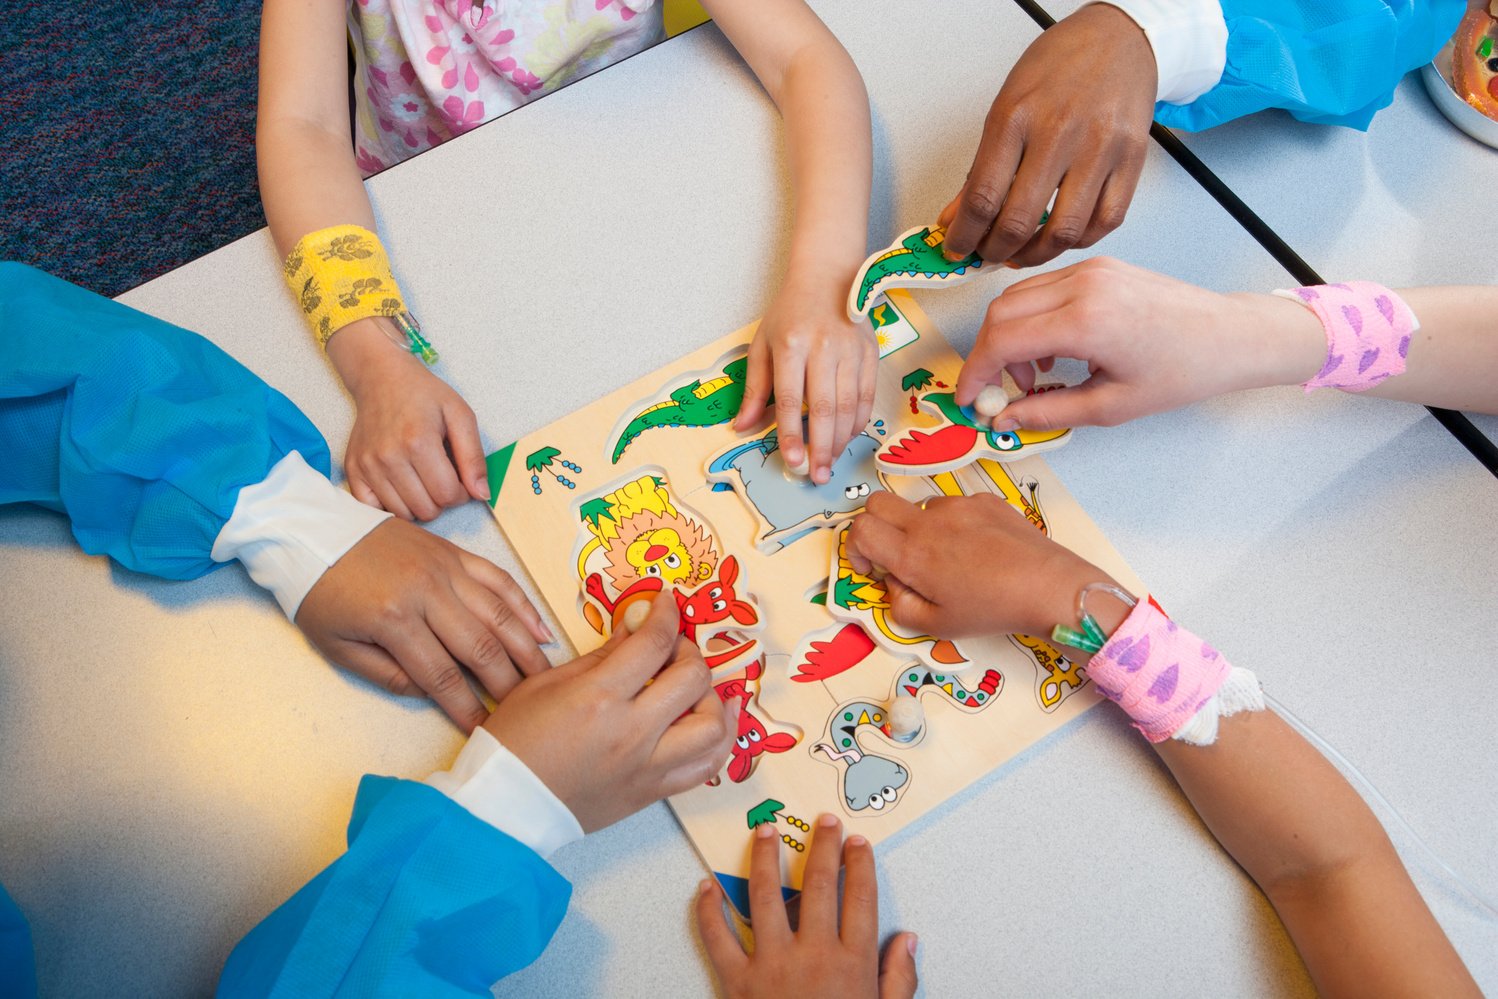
<point x="913" y="261"/>
<point x="962" y="439"/>
<point x="639" y="542"/>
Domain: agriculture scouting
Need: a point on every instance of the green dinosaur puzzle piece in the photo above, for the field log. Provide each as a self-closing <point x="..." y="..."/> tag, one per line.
<point x="698" y="404"/>
<point x="917" y="259"/>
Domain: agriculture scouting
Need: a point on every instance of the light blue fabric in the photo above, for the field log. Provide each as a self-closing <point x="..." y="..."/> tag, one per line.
<point x="1330" y="62"/>
<point x="17" y="962"/>
<point x="428" y="901"/>
<point x="141" y="432"/>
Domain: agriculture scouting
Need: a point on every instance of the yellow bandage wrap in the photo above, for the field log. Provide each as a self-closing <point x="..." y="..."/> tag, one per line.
<point x="339" y="275"/>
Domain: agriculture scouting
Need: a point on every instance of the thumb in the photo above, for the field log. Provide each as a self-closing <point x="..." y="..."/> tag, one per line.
<point x="1085" y="405"/>
<point x="467" y="449"/>
<point x="897" y="977"/>
<point x="908" y="606"/>
<point x="757" y="382"/>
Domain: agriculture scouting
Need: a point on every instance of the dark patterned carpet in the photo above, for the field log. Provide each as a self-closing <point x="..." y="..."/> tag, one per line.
<point x="127" y="135"/>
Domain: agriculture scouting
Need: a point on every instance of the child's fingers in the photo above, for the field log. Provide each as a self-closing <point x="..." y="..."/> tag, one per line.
<point x="390" y="497"/>
<point x="772" y="928"/>
<point x="819" y="880"/>
<point x="407" y="482"/>
<point x="1096" y="402"/>
<point x="467" y="449"/>
<point x="758" y="375"/>
<point x="821" y="404"/>
<point x="790" y="373"/>
<point x="897" y="977"/>
<point x="438" y="476"/>
<point x="868" y="387"/>
<point x="1017" y="330"/>
<point x="360" y="490"/>
<point x="860" y="895"/>
<point x="847" y="409"/>
<point x="909" y="607"/>
<point x="723" y="947"/>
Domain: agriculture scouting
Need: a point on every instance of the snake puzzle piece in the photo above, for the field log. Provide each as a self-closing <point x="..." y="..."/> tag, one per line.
<point x="649" y="493"/>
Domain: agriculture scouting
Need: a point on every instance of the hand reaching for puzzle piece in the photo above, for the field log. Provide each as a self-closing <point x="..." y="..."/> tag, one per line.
<point x="408" y="610"/>
<point x="622" y="727"/>
<point x="1053" y="131"/>
<point x="807" y="350"/>
<point x="818" y="958"/>
<point x="1151" y="344"/>
<point x="968" y="566"/>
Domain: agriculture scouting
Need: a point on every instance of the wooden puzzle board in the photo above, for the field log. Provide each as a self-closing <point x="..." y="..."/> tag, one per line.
<point x="588" y="497"/>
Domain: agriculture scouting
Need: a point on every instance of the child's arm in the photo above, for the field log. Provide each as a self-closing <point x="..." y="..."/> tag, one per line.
<point x="1155" y="343"/>
<point x="406" y="417"/>
<point x="806" y="350"/>
<point x="1282" y="811"/>
<point x="1310" y="842"/>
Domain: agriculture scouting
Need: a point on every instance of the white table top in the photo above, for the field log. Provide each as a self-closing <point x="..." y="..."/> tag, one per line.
<point x="175" y="760"/>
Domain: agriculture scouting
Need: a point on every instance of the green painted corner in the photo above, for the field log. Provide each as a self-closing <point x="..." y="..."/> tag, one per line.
<point x="499" y="466"/>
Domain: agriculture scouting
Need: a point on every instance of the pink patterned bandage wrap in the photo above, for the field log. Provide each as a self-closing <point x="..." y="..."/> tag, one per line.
<point x="1158" y="672"/>
<point x="1368" y="329"/>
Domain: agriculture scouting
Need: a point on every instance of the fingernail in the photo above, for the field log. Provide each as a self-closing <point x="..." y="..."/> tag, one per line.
<point x="764" y="830"/>
<point x="1005" y="424"/>
<point x="1011" y="265"/>
<point x="484" y="494"/>
<point x="858" y="841"/>
<point x="827" y="820"/>
<point x="550" y="635"/>
<point x="704" y="887"/>
<point x="911" y="942"/>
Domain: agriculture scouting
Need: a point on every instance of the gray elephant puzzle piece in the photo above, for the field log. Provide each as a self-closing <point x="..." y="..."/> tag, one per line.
<point x="787" y="502"/>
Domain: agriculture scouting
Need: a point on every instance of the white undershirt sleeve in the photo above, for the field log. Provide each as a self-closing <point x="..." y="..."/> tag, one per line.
<point x="290" y="527"/>
<point x="498" y="788"/>
<point x="1190" y="41"/>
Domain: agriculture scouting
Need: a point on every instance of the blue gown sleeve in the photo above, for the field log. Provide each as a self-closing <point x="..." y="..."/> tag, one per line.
<point x="1329" y="62"/>
<point x="140" y="432"/>
<point x="17" y="962"/>
<point x="428" y="901"/>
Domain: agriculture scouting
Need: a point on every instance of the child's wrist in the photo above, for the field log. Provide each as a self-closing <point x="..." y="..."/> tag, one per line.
<point x="1061" y="606"/>
<point x="366" y="352"/>
<point x="1275" y="342"/>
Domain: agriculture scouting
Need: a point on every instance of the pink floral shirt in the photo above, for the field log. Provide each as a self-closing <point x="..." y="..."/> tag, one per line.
<point x="427" y="70"/>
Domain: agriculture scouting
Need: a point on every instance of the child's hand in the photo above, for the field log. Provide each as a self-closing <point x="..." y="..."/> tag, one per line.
<point x="415" y="447"/>
<point x="623" y="726"/>
<point x="1151" y="343"/>
<point x="816" y="959"/>
<point x="968" y="566"/>
<point x="408" y="610"/>
<point x="806" y="350"/>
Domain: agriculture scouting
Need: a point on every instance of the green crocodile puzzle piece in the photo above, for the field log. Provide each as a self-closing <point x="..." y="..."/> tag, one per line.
<point x="692" y="405"/>
<point x="917" y="256"/>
